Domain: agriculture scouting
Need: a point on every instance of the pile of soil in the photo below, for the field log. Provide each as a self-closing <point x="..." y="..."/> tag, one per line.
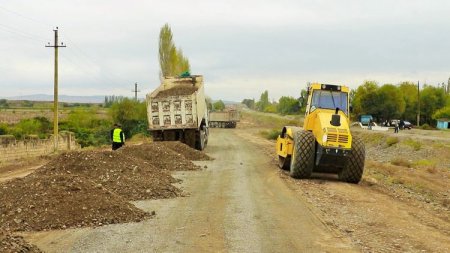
<point x="129" y="177"/>
<point x="37" y="202"/>
<point x="186" y="151"/>
<point x="92" y="188"/>
<point x="160" y="156"/>
<point x="14" y="243"/>
<point x="181" y="90"/>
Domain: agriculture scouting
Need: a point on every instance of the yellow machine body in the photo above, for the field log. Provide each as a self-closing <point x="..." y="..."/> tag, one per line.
<point x="318" y="120"/>
<point x="285" y="142"/>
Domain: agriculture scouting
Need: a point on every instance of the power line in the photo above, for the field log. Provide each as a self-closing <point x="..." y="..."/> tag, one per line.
<point x="74" y="44"/>
<point x="23" y="16"/>
<point x="93" y="61"/>
<point x="77" y="51"/>
<point x="77" y="66"/>
<point x="87" y="66"/>
<point x="21" y="33"/>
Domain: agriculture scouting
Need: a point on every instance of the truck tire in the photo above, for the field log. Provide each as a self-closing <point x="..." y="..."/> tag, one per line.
<point x="206" y="136"/>
<point x="284" y="162"/>
<point x="200" y="143"/>
<point x="302" y="159"/>
<point x="352" y="173"/>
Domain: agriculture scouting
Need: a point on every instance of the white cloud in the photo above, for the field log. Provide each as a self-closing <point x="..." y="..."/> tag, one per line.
<point x="241" y="47"/>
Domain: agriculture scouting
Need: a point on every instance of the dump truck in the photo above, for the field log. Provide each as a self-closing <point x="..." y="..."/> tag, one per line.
<point x="365" y="119"/>
<point x="325" y="143"/>
<point x="224" y="119"/>
<point x="177" y="110"/>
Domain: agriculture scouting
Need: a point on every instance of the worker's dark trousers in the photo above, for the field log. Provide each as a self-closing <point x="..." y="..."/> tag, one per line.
<point x="116" y="145"/>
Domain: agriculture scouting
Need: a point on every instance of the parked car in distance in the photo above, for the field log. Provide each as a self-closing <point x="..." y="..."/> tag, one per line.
<point x="408" y="125"/>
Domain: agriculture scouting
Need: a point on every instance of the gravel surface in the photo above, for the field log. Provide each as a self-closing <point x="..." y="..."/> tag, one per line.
<point x="413" y="201"/>
<point x="237" y="204"/>
<point x="181" y="90"/>
<point x="186" y="151"/>
<point x="37" y="202"/>
<point x="14" y="243"/>
<point x="127" y="176"/>
<point x="92" y="188"/>
<point x="160" y="156"/>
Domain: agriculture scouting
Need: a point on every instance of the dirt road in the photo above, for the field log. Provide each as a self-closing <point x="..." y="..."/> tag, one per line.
<point x="237" y="203"/>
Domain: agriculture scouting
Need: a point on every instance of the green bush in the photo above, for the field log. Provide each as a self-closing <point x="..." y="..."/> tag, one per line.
<point x="27" y="103"/>
<point x="414" y="144"/>
<point x="3" y="129"/>
<point x="92" y="137"/>
<point x="426" y="127"/>
<point x="39" y="126"/>
<point x="219" y="105"/>
<point x="288" y="105"/>
<point x="89" y="130"/>
<point x="132" y="115"/>
<point x="270" y="134"/>
<point x="425" y="163"/>
<point x="4" y="103"/>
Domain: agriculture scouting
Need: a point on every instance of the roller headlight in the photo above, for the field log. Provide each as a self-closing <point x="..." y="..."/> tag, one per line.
<point x="324" y="138"/>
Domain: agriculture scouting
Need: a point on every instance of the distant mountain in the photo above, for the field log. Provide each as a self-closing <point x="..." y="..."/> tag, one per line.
<point x="230" y="102"/>
<point x="80" y="99"/>
<point x="61" y="98"/>
<point x="226" y="102"/>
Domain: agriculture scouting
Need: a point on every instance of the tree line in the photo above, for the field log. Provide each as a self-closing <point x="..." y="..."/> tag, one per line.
<point x="285" y="105"/>
<point x="383" y="102"/>
<point x="91" y="125"/>
<point x="401" y="101"/>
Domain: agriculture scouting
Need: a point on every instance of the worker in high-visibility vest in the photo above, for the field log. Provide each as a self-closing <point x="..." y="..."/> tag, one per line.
<point x="117" y="137"/>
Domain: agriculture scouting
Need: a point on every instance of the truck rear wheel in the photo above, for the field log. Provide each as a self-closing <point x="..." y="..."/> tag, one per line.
<point x="201" y="140"/>
<point x="352" y="173"/>
<point x="284" y="162"/>
<point x="302" y="159"/>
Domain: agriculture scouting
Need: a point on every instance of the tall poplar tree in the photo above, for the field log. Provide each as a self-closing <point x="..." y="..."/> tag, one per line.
<point x="166" y="48"/>
<point x="171" y="60"/>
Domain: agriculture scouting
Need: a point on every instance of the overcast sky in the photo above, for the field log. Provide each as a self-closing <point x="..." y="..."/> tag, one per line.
<point x="242" y="47"/>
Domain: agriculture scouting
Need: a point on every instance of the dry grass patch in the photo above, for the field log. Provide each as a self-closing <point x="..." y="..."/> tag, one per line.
<point x="446" y="202"/>
<point x="139" y="138"/>
<point x="401" y="162"/>
<point x="432" y="170"/>
<point x="270" y="134"/>
<point x="391" y="141"/>
<point x="413" y="144"/>
<point x="369" y="138"/>
<point x="429" y="182"/>
<point x="269" y="120"/>
<point x="424" y="163"/>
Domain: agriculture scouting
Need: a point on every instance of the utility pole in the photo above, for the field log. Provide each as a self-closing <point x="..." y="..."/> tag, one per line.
<point x="55" y="98"/>
<point x="418" y="104"/>
<point x="135" y="91"/>
<point x="448" y="86"/>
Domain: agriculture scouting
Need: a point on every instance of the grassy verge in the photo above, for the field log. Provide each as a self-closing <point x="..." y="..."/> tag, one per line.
<point x="270" y="134"/>
<point x="270" y="120"/>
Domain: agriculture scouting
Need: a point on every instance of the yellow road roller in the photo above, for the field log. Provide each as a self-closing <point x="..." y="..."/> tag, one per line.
<point x="325" y="144"/>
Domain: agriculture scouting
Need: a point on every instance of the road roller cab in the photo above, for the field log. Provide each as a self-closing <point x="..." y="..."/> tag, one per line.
<point x="325" y="143"/>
